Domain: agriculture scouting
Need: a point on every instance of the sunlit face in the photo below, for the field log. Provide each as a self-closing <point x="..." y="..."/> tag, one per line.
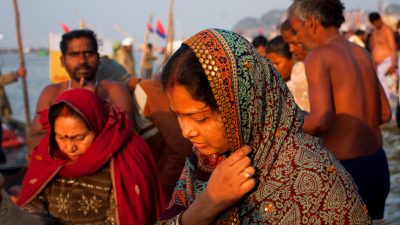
<point x="377" y="24"/>
<point x="261" y="49"/>
<point x="295" y="47"/>
<point x="199" y="124"/>
<point x="303" y="33"/>
<point x="72" y="136"/>
<point x="282" y="64"/>
<point x="80" y="60"/>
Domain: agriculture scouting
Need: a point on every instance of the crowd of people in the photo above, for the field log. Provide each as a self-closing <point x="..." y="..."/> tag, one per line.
<point x="279" y="131"/>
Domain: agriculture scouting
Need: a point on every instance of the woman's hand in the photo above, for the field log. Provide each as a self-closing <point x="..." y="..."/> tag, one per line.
<point x="231" y="180"/>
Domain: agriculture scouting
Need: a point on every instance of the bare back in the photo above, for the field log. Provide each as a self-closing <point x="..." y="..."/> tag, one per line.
<point x="346" y="94"/>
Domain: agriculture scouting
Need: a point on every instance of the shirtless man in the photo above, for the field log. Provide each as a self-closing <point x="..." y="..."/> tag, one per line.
<point x="383" y="49"/>
<point x="347" y="102"/>
<point x="81" y="60"/>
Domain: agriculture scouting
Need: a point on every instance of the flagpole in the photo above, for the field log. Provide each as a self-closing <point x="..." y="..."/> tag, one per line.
<point x="146" y="40"/>
<point x="22" y="65"/>
<point x="170" y="32"/>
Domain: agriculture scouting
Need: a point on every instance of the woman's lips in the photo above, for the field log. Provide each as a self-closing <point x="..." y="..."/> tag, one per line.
<point x="199" y="145"/>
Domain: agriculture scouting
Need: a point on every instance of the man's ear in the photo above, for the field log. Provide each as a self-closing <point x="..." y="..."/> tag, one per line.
<point x="62" y="61"/>
<point x="311" y="23"/>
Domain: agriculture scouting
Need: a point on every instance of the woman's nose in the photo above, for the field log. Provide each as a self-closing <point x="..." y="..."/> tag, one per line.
<point x="188" y="130"/>
<point x="71" y="147"/>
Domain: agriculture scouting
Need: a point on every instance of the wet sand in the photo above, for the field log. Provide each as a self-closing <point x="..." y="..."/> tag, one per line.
<point x="391" y="144"/>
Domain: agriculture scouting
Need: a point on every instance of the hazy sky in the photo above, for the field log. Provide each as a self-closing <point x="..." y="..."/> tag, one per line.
<point x="39" y="17"/>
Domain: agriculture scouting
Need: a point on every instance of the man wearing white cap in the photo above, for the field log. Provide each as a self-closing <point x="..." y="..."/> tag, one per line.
<point x="125" y="57"/>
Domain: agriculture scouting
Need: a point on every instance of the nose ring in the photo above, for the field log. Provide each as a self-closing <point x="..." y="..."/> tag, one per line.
<point x="74" y="148"/>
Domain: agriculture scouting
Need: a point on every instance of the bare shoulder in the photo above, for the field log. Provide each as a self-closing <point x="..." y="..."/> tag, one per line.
<point x="111" y="86"/>
<point x="387" y="29"/>
<point x="48" y="94"/>
<point x="117" y="94"/>
<point x="319" y="56"/>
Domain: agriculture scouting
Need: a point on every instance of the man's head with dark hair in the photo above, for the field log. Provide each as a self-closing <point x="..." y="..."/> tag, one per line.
<point x="359" y="32"/>
<point x="86" y="33"/>
<point x="375" y="20"/>
<point x="374" y="16"/>
<point x="259" y="40"/>
<point x="80" y="56"/>
<point x="286" y="27"/>
<point x="279" y="54"/>
<point x="328" y="12"/>
<point x="260" y="43"/>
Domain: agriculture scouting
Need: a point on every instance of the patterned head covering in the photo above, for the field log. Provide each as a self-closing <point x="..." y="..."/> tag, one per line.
<point x="297" y="178"/>
<point x="255" y="105"/>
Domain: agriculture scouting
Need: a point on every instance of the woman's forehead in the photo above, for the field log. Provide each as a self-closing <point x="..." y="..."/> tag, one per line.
<point x="182" y="103"/>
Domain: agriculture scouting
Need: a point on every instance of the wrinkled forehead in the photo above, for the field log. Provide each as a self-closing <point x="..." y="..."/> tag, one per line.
<point x="222" y="55"/>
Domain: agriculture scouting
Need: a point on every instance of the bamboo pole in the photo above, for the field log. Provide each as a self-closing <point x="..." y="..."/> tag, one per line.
<point x="170" y="32"/>
<point x="146" y="40"/>
<point x="22" y="65"/>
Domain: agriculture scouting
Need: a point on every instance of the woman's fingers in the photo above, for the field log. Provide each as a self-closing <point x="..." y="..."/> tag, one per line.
<point x="249" y="172"/>
<point x="238" y="155"/>
<point x="248" y="185"/>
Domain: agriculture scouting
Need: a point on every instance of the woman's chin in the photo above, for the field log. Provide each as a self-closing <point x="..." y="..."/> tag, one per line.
<point x="74" y="158"/>
<point x="207" y="151"/>
<point x="210" y="151"/>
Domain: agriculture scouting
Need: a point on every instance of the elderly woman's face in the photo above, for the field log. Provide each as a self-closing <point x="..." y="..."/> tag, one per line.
<point x="200" y="125"/>
<point x="72" y="136"/>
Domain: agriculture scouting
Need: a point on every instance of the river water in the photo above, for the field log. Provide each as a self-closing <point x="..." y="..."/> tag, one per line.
<point x="38" y="77"/>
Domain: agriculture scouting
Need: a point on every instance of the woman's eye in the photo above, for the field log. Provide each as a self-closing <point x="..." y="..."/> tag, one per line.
<point x="80" y="138"/>
<point x="201" y="120"/>
<point x="60" y="138"/>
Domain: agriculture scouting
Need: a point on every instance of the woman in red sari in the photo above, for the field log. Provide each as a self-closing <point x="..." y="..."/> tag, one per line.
<point x="91" y="167"/>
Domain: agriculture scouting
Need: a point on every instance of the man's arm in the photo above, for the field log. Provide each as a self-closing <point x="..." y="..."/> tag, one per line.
<point x="392" y="46"/>
<point x="36" y="132"/>
<point x="12" y="76"/>
<point x="120" y="96"/>
<point x="320" y="93"/>
<point x="8" y="78"/>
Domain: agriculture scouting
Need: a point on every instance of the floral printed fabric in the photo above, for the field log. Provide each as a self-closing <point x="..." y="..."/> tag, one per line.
<point x="299" y="181"/>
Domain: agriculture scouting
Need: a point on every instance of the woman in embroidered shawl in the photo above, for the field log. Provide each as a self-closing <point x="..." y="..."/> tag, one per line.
<point x="91" y="167"/>
<point x="251" y="163"/>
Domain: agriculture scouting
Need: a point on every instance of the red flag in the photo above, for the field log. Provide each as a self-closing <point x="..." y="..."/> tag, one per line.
<point x="149" y="27"/>
<point x="65" y="28"/>
<point x="160" y="29"/>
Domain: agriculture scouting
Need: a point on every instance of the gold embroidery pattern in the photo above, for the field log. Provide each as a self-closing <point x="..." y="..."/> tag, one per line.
<point x="216" y="66"/>
<point x="63" y="203"/>
<point x="90" y="204"/>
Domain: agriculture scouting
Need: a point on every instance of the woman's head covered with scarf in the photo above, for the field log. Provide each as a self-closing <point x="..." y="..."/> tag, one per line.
<point x="223" y="70"/>
<point x="86" y="119"/>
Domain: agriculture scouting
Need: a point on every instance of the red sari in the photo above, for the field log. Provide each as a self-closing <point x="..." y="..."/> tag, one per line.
<point x="138" y="192"/>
